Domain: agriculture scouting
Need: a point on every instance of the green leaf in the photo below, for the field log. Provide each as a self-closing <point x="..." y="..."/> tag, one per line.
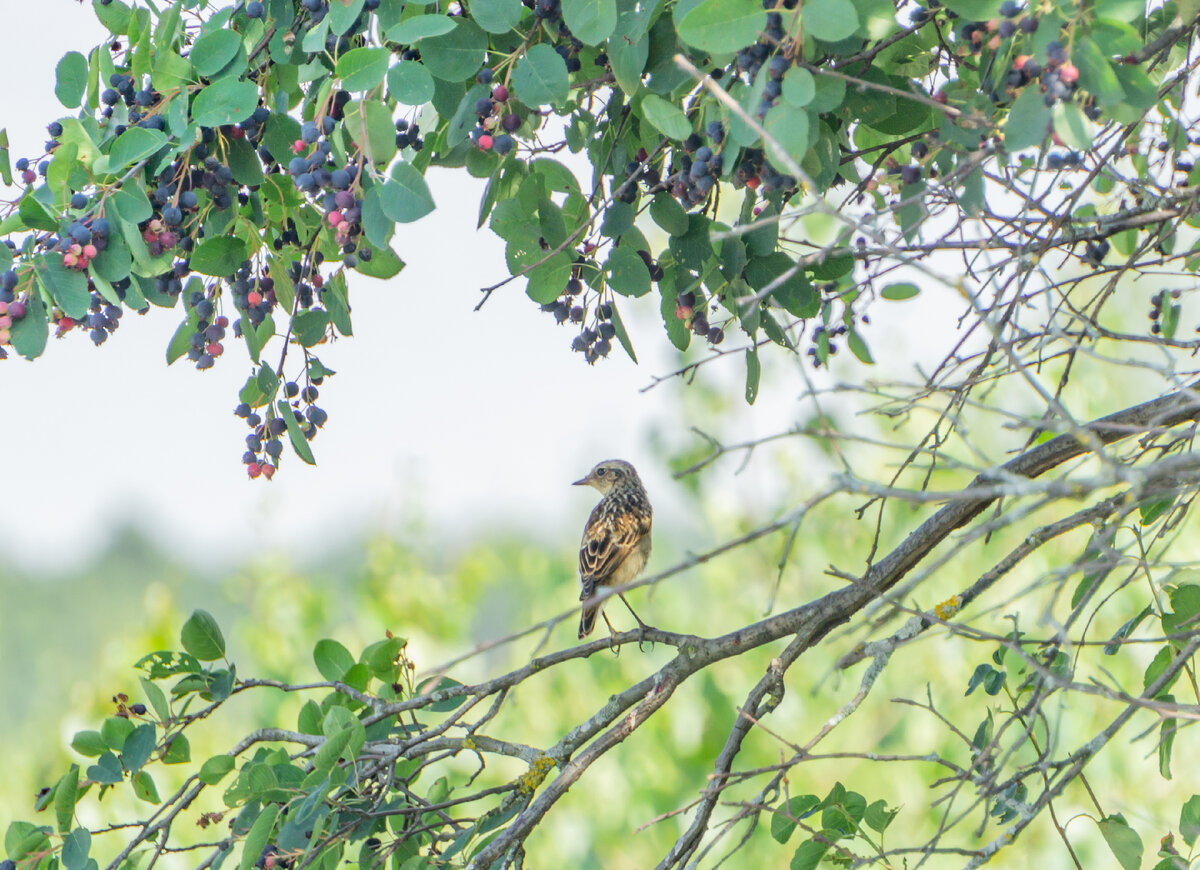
<point x="215" y="769"/>
<point x="115" y="16"/>
<point x="75" y="848"/>
<point x="384" y="263"/>
<point x="343" y="14"/>
<point x="295" y="435"/>
<point x="497" y="16"/>
<point x="1189" y="820"/>
<point x="753" y="373"/>
<point x="666" y="117"/>
<point x="406" y="197"/>
<point x="369" y="124"/>
<point x="858" y="347"/>
<point x="457" y="55"/>
<point x="898" y="292"/>
<point x="540" y="77"/>
<point x="28" y="335"/>
<point x="67" y="286"/>
<point x="179" y="750"/>
<point x="666" y="211"/>
<point x="201" y="636"/>
<point x="410" y="83"/>
<point x="1096" y="73"/>
<point x="1071" y="125"/>
<point x="719" y="26"/>
<point x="1028" y="122"/>
<point x="878" y="816"/>
<point x="789" y="128"/>
<point x="66" y="792"/>
<point x="227" y="101"/>
<point x="332" y="659"/>
<point x="1126" y="845"/>
<point x="799" y="87"/>
<point x="1166" y="743"/>
<point x="626" y="272"/>
<point x="213" y="51"/>
<point x="137" y="748"/>
<point x="258" y="836"/>
<point x="829" y="20"/>
<point x="362" y="69"/>
<point x="89" y="743"/>
<point x="219" y="256"/>
<point x="783" y="820"/>
<point x="975" y="10"/>
<point x="71" y="76"/>
<point x="419" y="27"/>
<point x="308" y="327"/>
<point x="133" y="145"/>
<point x="810" y="852"/>
<point x="107" y="770"/>
<point x="591" y="21"/>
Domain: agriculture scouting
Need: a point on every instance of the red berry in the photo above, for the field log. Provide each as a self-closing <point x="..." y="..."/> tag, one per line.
<point x="318" y="281"/>
<point x="298" y="146"/>
<point x="65" y="323"/>
<point x="16" y="309"/>
<point x="253" y="298"/>
<point x="335" y="218"/>
<point x="222" y="321"/>
<point x="268" y="471"/>
<point x="254" y="469"/>
<point x="1069" y="73"/>
<point x="4" y="307"/>
<point x="215" y="349"/>
<point x="5" y="321"/>
<point x="683" y="312"/>
<point x="485" y="142"/>
<point x="237" y="133"/>
<point x="499" y="93"/>
<point x="4" y="336"/>
<point x="753" y="182"/>
<point x="90" y="251"/>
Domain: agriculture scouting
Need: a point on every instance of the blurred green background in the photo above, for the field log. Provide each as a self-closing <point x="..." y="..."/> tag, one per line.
<point x="67" y="643"/>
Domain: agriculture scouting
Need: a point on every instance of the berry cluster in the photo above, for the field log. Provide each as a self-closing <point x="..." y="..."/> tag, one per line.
<point x="492" y="114"/>
<point x="693" y="311"/>
<point x="1156" y="309"/>
<point x="593" y="341"/>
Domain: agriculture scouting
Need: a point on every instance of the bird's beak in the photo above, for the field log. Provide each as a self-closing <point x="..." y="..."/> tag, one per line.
<point x="581" y="482"/>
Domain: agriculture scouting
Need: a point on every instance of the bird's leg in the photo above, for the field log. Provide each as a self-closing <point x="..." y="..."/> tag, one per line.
<point x="641" y="625"/>
<point x="612" y="633"/>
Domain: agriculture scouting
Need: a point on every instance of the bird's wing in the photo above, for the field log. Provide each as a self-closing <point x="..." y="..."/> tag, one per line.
<point x="607" y="541"/>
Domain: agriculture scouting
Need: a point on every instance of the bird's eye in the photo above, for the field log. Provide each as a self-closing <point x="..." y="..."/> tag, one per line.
<point x="600" y="472"/>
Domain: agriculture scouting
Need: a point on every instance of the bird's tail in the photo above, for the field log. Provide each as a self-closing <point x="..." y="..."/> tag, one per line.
<point x="587" y="620"/>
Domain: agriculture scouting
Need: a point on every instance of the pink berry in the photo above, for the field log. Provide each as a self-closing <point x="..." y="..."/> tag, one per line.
<point x="268" y="471"/>
<point x="5" y="335"/>
<point x="254" y="298"/>
<point x="90" y="251"/>
<point x="3" y="307"/>
<point x="215" y="349"/>
<point x="485" y="142"/>
<point x="335" y="218"/>
<point x="254" y="469"/>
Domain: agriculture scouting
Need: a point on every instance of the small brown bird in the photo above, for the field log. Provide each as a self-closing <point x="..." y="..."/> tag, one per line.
<point x="616" y="539"/>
